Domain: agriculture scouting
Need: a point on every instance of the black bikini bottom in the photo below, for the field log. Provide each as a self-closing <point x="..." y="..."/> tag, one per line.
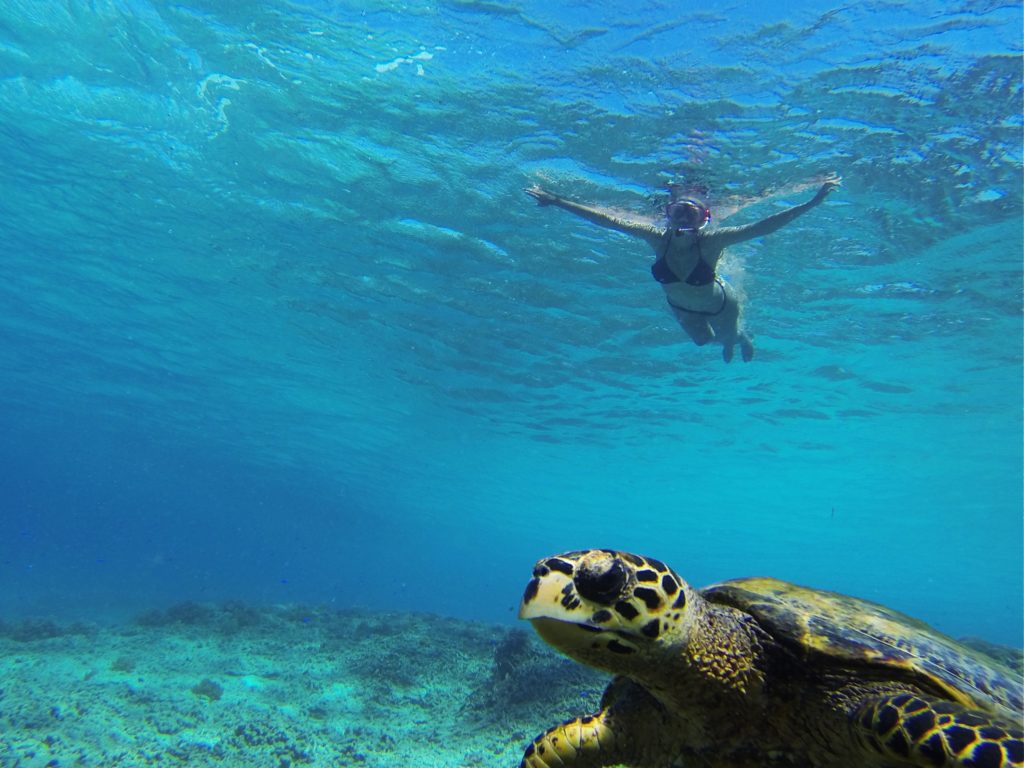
<point x="725" y="300"/>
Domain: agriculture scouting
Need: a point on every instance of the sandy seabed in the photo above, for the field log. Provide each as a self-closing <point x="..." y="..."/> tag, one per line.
<point x="237" y="685"/>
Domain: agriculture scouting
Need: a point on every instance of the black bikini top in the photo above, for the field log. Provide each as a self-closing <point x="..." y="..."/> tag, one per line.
<point x="701" y="274"/>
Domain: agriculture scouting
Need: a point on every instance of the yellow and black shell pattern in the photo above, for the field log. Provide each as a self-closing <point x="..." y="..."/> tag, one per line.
<point x="827" y="626"/>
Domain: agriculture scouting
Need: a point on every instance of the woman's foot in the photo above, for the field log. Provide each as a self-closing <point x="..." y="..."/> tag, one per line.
<point x="746" y="348"/>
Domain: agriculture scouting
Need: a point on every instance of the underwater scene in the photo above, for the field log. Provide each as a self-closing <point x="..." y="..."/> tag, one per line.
<point x="380" y="380"/>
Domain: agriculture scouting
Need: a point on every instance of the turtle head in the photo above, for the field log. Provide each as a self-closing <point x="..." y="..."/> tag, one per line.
<point x="610" y="610"/>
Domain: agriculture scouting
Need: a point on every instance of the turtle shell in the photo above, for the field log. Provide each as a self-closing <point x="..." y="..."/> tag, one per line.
<point x="828" y="626"/>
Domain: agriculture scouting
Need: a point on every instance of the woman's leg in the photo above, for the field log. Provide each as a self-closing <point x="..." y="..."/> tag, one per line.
<point x="695" y="324"/>
<point x="728" y="326"/>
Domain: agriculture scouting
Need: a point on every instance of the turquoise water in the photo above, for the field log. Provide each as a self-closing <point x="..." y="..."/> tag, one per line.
<point x="278" y="323"/>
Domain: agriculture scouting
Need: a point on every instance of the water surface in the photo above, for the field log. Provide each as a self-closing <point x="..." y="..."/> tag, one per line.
<point x="279" y="324"/>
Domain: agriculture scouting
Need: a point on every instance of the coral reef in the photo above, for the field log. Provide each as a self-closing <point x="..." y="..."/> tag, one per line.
<point x="33" y="629"/>
<point x="1010" y="657"/>
<point x="208" y="689"/>
<point x="237" y="685"/>
<point x="227" y="618"/>
<point x="527" y="678"/>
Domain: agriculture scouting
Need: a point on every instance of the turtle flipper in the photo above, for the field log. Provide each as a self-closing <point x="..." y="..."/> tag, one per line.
<point x="934" y="732"/>
<point x="629" y="723"/>
<point x="586" y="742"/>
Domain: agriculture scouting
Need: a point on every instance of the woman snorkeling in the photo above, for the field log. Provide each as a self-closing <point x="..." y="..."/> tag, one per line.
<point x="687" y="251"/>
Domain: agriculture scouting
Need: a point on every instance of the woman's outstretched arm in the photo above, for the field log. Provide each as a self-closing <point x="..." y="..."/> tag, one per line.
<point x="648" y="232"/>
<point x="727" y="236"/>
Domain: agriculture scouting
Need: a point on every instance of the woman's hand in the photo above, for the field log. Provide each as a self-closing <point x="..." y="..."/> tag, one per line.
<point x="832" y="181"/>
<point x="542" y="196"/>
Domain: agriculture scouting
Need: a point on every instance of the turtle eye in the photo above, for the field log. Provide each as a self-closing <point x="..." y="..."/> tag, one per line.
<point x="602" y="585"/>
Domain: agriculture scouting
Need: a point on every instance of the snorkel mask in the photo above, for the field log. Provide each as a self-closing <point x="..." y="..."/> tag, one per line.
<point x="687" y="215"/>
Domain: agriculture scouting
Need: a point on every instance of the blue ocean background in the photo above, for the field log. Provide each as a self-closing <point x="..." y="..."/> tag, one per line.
<point x="279" y="324"/>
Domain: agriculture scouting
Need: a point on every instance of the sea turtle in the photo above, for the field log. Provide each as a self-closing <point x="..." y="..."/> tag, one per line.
<point x="760" y="672"/>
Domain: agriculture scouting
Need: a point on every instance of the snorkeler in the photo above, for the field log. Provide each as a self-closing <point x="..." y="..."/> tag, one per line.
<point x="687" y="252"/>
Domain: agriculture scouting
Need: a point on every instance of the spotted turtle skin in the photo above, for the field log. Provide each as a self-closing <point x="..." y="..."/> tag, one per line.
<point x="761" y="672"/>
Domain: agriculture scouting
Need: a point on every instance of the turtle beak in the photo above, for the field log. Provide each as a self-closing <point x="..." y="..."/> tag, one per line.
<point x="564" y="635"/>
<point x="548" y="597"/>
